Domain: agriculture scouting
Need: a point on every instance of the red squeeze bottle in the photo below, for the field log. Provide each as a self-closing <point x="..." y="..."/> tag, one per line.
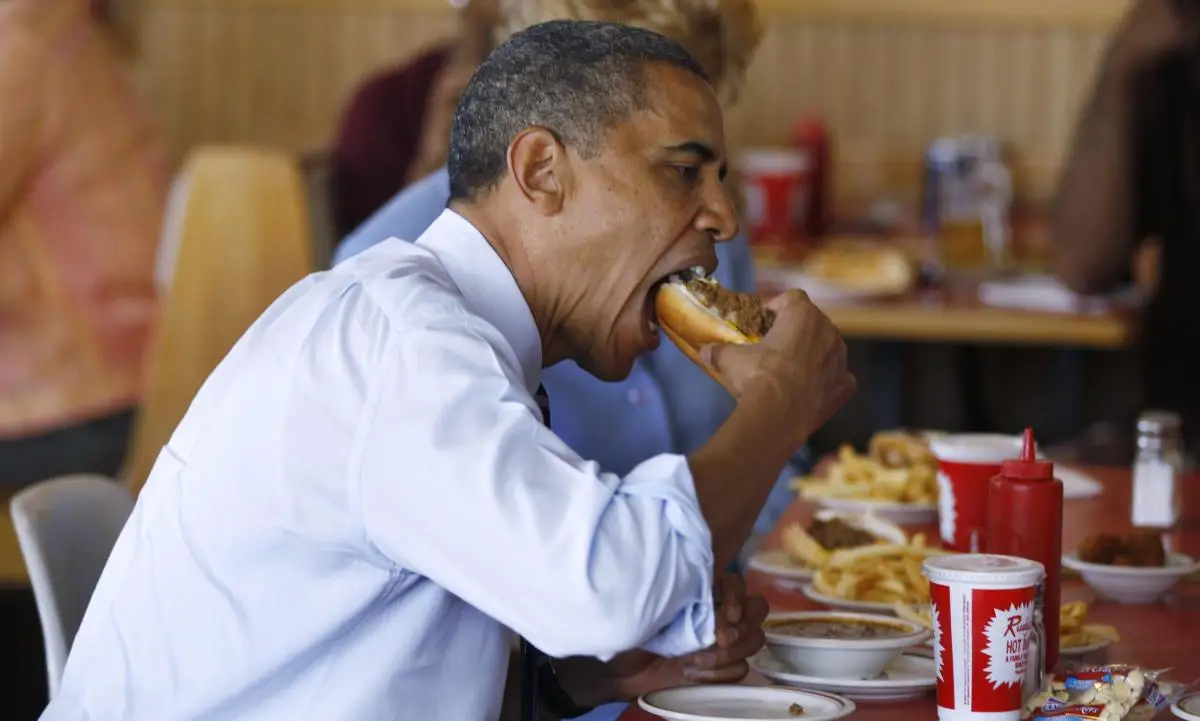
<point x="811" y="136"/>
<point x="1025" y="518"/>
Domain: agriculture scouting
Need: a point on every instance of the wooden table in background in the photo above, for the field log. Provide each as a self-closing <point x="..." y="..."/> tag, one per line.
<point x="1158" y="636"/>
<point x="956" y="317"/>
<point x="941" y="316"/>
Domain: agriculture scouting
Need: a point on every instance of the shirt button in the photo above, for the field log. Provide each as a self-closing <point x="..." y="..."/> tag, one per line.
<point x="635" y="396"/>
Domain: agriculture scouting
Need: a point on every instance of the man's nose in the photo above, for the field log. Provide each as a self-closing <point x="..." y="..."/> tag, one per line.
<point x="718" y="219"/>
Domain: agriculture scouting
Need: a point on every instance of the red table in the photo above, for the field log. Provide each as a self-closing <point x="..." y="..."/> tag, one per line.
<point x="1161" y="636"/>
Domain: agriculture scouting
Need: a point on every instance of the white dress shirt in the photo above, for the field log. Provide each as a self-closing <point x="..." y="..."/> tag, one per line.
<point x="361" y="501"/>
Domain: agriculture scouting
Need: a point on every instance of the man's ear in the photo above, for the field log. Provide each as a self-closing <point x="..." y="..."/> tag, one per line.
<point x="538" y="162"/>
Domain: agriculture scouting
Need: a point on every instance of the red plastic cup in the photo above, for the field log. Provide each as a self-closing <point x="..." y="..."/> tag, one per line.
<point x="777" y="188"/>
<point x="983" y="631"/>
<point x="966" y="462"/>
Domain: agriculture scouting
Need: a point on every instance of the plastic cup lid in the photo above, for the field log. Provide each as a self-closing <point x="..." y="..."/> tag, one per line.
<point x="984" y="569"/>
<point x="976" y="448"/>
<point x="774" y="160"/>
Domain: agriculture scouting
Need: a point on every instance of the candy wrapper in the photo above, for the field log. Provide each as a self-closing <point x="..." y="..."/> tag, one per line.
<point x="1102" y="693"/>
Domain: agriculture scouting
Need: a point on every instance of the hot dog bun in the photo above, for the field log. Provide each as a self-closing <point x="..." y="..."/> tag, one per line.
<point x="691" y="325"/>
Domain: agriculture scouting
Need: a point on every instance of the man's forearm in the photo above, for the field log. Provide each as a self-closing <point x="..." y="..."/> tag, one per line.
<point x="735" y="471"/>
<point x="1093" y="218"/>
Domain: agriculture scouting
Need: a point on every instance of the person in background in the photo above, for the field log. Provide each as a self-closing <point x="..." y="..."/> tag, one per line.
<point x="667" y="404"/>
<point x="83" y="182"/>
<point x="396" y="129"/>
<point x="364" y="498"/>
<point x="1134" y="176"/>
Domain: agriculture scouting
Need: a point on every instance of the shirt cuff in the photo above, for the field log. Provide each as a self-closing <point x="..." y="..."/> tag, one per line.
<point x="669" y="479"/>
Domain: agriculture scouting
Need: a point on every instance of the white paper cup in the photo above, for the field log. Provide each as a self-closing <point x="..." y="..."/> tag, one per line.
<point x="983" y="616"/>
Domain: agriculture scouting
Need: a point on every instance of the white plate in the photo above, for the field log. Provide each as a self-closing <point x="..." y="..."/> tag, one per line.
<point x="909" y="676"/>
<point x="904" y="514"/>
<point x="777" y="563"/>
<point x="1187" y="707"/>
<point x="739" y="703"/>
<point x="843" y="604"/>
<point x="1077" y="485"/>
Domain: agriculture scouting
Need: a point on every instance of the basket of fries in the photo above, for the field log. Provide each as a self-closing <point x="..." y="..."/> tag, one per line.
<point x="896" y="479"/>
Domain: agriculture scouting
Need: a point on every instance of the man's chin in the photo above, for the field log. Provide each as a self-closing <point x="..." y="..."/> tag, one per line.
<point x="609" y="370"/>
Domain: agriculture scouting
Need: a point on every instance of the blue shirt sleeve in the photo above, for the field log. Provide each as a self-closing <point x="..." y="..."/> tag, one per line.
<point x="406" y="216"/>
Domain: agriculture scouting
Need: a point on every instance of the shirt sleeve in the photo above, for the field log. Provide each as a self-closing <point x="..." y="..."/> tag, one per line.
<point x="458" y="480"/>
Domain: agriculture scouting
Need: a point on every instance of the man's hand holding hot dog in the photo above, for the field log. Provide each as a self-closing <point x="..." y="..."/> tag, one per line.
<point x="787" y="385"/>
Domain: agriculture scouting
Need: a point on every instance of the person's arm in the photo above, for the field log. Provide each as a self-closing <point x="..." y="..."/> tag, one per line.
<point x="1099" y="215"/>
<point x="20" y="114"/>
<point x="458" y="480"/>
<point x="377" y="144"/>
<point x="1093" y="219"/>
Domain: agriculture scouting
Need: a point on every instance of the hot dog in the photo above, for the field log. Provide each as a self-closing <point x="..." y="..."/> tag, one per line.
<point x="693" y="310"/>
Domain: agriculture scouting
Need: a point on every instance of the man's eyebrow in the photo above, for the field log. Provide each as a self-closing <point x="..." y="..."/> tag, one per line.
<point x="701" y="150"/>
<point x="695" y="147"/>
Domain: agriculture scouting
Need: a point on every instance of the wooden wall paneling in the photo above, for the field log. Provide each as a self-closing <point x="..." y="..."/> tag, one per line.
<point x="888" y="76"/>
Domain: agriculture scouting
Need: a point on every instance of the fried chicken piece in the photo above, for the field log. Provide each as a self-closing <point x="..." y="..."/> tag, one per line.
<point x="1102" y="548"/>
<point x="1144" y="548"/>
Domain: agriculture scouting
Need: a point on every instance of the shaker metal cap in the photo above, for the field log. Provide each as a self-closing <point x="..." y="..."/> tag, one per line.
<point x="1158" y="422"/>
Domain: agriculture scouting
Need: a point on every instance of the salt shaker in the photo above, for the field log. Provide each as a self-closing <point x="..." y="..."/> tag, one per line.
<point x="1157" y="469"/>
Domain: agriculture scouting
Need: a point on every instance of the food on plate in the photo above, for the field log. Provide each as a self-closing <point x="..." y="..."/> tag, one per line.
<point x="861" y="266"/>
<point x="694" y="310"/>
<point x="837" y="533"/>
<point x="881" y="573"/>
<point x="1074" y="630"/>
<point x="862" y="477"/>
<point x="838" y="628"/>
<point x="902" y="449"/>
<point x="811" y="547"/>
<point x="795" y="710"/>
<point x="1139" y="548"/>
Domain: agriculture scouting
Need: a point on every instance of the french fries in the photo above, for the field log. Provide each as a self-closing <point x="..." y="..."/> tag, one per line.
<point x="882" y="573"/>
<point x="1074" y="631"/>
<point x="853" y="475"/>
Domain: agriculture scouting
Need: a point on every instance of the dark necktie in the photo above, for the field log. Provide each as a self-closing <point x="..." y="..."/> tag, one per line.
<point x="531" y="658"/>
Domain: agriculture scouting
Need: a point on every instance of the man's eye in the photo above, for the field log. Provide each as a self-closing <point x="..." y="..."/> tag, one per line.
<point x="689" y="173"/>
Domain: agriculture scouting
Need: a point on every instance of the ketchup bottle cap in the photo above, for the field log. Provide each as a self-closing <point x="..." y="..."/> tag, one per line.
<point x="1028" y="467"/>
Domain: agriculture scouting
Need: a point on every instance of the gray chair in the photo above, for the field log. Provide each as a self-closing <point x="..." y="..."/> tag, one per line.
<point x="67" y="528"/>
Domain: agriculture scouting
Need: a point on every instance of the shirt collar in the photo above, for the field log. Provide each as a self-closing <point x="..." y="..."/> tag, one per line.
<point x="488" y="287"/>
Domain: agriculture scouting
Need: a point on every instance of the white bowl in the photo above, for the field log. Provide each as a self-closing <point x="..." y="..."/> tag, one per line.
<point x="1126" y="584"/>
<point x="841" y="658"/>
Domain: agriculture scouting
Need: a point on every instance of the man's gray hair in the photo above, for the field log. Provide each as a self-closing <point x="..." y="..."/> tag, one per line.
<point x="578" y="79"/>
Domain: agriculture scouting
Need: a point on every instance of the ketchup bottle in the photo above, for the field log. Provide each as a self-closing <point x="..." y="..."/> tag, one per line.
<point x="811" y="136"/>
<point x="1025" y="518"/>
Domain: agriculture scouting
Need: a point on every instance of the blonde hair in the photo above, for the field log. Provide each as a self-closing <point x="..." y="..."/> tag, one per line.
<point x="721" y="34"/>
